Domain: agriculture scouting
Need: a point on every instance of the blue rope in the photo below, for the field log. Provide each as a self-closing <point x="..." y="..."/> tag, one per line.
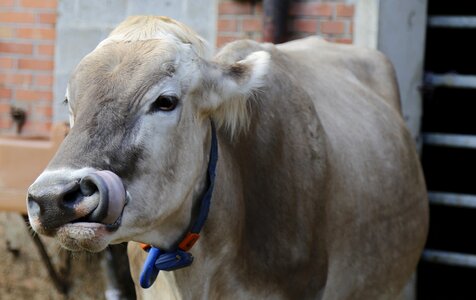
<point x="212" y="164"/>
<point x="158" y="259"/>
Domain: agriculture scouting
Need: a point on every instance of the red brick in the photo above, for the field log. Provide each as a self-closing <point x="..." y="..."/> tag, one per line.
<point x="17" y="17"/>
<point x="311" y="9"/>
<point x="16" y="48"/>
<point x="7" y="3"/>
<point x="343" y="41"/>
<point x="234" y="8"/>
<point x="252" y="24"/>
<point x="305" y="25"/>
<point x="39" y="128"/>
<point x="46" y="111"/>
<point x="227" y="25"/>
<point x="47" y="18"/>
<point x="344" y="10"/>
<point x="257" y="36"/>
<point x="259" y="8"/>
<point x="6" y="62"/>
<point x="33" y="95"/>
<point x="36" y="33"/>
<point x="5" y="122"/>
<point x="46" y="80"/>
<point x="5" y="93"/>
<point x="225" y="39"/>
<point x="18" y="79"/>
<point x="332" y="27"/>
<point x="6" y="32"/>
<point x="38" y="3"/>
<point x="35" y="64"/>
<point x="48" y="50"/>
<point x="4" y="108"/>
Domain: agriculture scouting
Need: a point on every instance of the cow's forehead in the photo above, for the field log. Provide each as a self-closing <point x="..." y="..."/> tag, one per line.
<point x="123" y="68"/>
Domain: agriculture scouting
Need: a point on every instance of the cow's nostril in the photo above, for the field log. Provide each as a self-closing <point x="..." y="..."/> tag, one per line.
<point x="72" y="195"/>
<point x="93" y="186"/>
<point x="88" y="186"/>
<point x="107" y="188"/>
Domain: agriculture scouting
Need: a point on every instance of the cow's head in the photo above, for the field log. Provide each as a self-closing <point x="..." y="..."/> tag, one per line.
<point x="136" y="157"/>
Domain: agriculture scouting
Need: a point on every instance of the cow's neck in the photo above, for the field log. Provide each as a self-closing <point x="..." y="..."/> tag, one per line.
<point x="253" y="231"/>
<point x="283" y="167"/>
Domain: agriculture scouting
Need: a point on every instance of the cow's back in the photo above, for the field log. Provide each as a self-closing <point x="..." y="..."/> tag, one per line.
<point x="369" y="67"/>
<point x="377" y="207"/>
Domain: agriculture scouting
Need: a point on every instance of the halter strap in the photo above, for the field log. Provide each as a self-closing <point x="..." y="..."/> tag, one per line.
<point x="158" y="259"/>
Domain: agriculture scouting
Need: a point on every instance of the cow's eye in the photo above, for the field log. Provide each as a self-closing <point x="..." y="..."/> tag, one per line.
<point x="164" y="103"/>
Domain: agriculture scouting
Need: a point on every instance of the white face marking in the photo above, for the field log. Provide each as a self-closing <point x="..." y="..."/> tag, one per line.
<point x="158" y="124"/>
<point x="64" y="173"/>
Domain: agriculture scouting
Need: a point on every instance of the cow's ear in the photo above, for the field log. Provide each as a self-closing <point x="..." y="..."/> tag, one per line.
<point x="229" y="87"/>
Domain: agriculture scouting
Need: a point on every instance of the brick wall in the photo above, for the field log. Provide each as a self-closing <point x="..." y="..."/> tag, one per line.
<point x="27" y="36"/>
<point x="331" y="19"/>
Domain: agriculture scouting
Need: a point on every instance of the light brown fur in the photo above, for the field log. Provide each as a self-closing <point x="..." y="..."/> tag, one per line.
<point x="319" y="193"/>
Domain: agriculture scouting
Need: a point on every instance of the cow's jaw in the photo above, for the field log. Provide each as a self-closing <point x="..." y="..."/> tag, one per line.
<point x="91" y="237"/>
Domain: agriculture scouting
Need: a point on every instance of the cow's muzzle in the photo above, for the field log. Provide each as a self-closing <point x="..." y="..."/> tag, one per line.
<point x="98" y="197"/>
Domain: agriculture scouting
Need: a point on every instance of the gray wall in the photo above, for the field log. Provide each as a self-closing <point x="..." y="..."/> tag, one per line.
<point x="82" y="24"/>
<point x="397" y="28"/>
<point x="401" y="36"/>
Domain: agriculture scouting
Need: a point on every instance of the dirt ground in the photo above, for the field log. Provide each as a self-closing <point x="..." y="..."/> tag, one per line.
<point x="24" y="276"/>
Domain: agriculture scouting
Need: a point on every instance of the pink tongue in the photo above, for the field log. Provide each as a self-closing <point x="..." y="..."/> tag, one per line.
<point x="117" y="196"/>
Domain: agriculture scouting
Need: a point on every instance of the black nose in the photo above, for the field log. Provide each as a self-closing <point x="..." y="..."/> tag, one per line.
<point x="55" y="203"/>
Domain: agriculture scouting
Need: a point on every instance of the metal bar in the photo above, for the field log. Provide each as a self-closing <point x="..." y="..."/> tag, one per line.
<point x="449" y="258"/>
<point x="452" y="21"/>
<point x="275" y="20"/>
<point x="451" y="199"/>
<point x="450" y="80"/>
<point x="450" y="140"/>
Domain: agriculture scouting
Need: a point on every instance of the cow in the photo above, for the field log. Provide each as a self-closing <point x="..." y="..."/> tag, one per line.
<point x="291" y="162"/>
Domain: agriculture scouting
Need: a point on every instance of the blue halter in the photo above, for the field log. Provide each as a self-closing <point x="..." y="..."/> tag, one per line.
<point x="158" y="259"/>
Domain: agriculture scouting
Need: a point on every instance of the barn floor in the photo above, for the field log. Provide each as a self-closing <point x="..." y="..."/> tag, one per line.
<point x="23" y="275"/>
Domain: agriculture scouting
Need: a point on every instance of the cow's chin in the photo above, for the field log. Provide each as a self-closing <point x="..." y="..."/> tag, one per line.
<point x="84" y="236"/>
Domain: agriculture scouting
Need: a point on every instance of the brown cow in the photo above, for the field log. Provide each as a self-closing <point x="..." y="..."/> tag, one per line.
<point x="318" y="191"/>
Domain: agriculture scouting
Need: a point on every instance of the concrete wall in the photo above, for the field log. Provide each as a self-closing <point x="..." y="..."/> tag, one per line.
<point x="82" y="24"/>
<point x="397" y="28"/>
<point x="401" y="36"/>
